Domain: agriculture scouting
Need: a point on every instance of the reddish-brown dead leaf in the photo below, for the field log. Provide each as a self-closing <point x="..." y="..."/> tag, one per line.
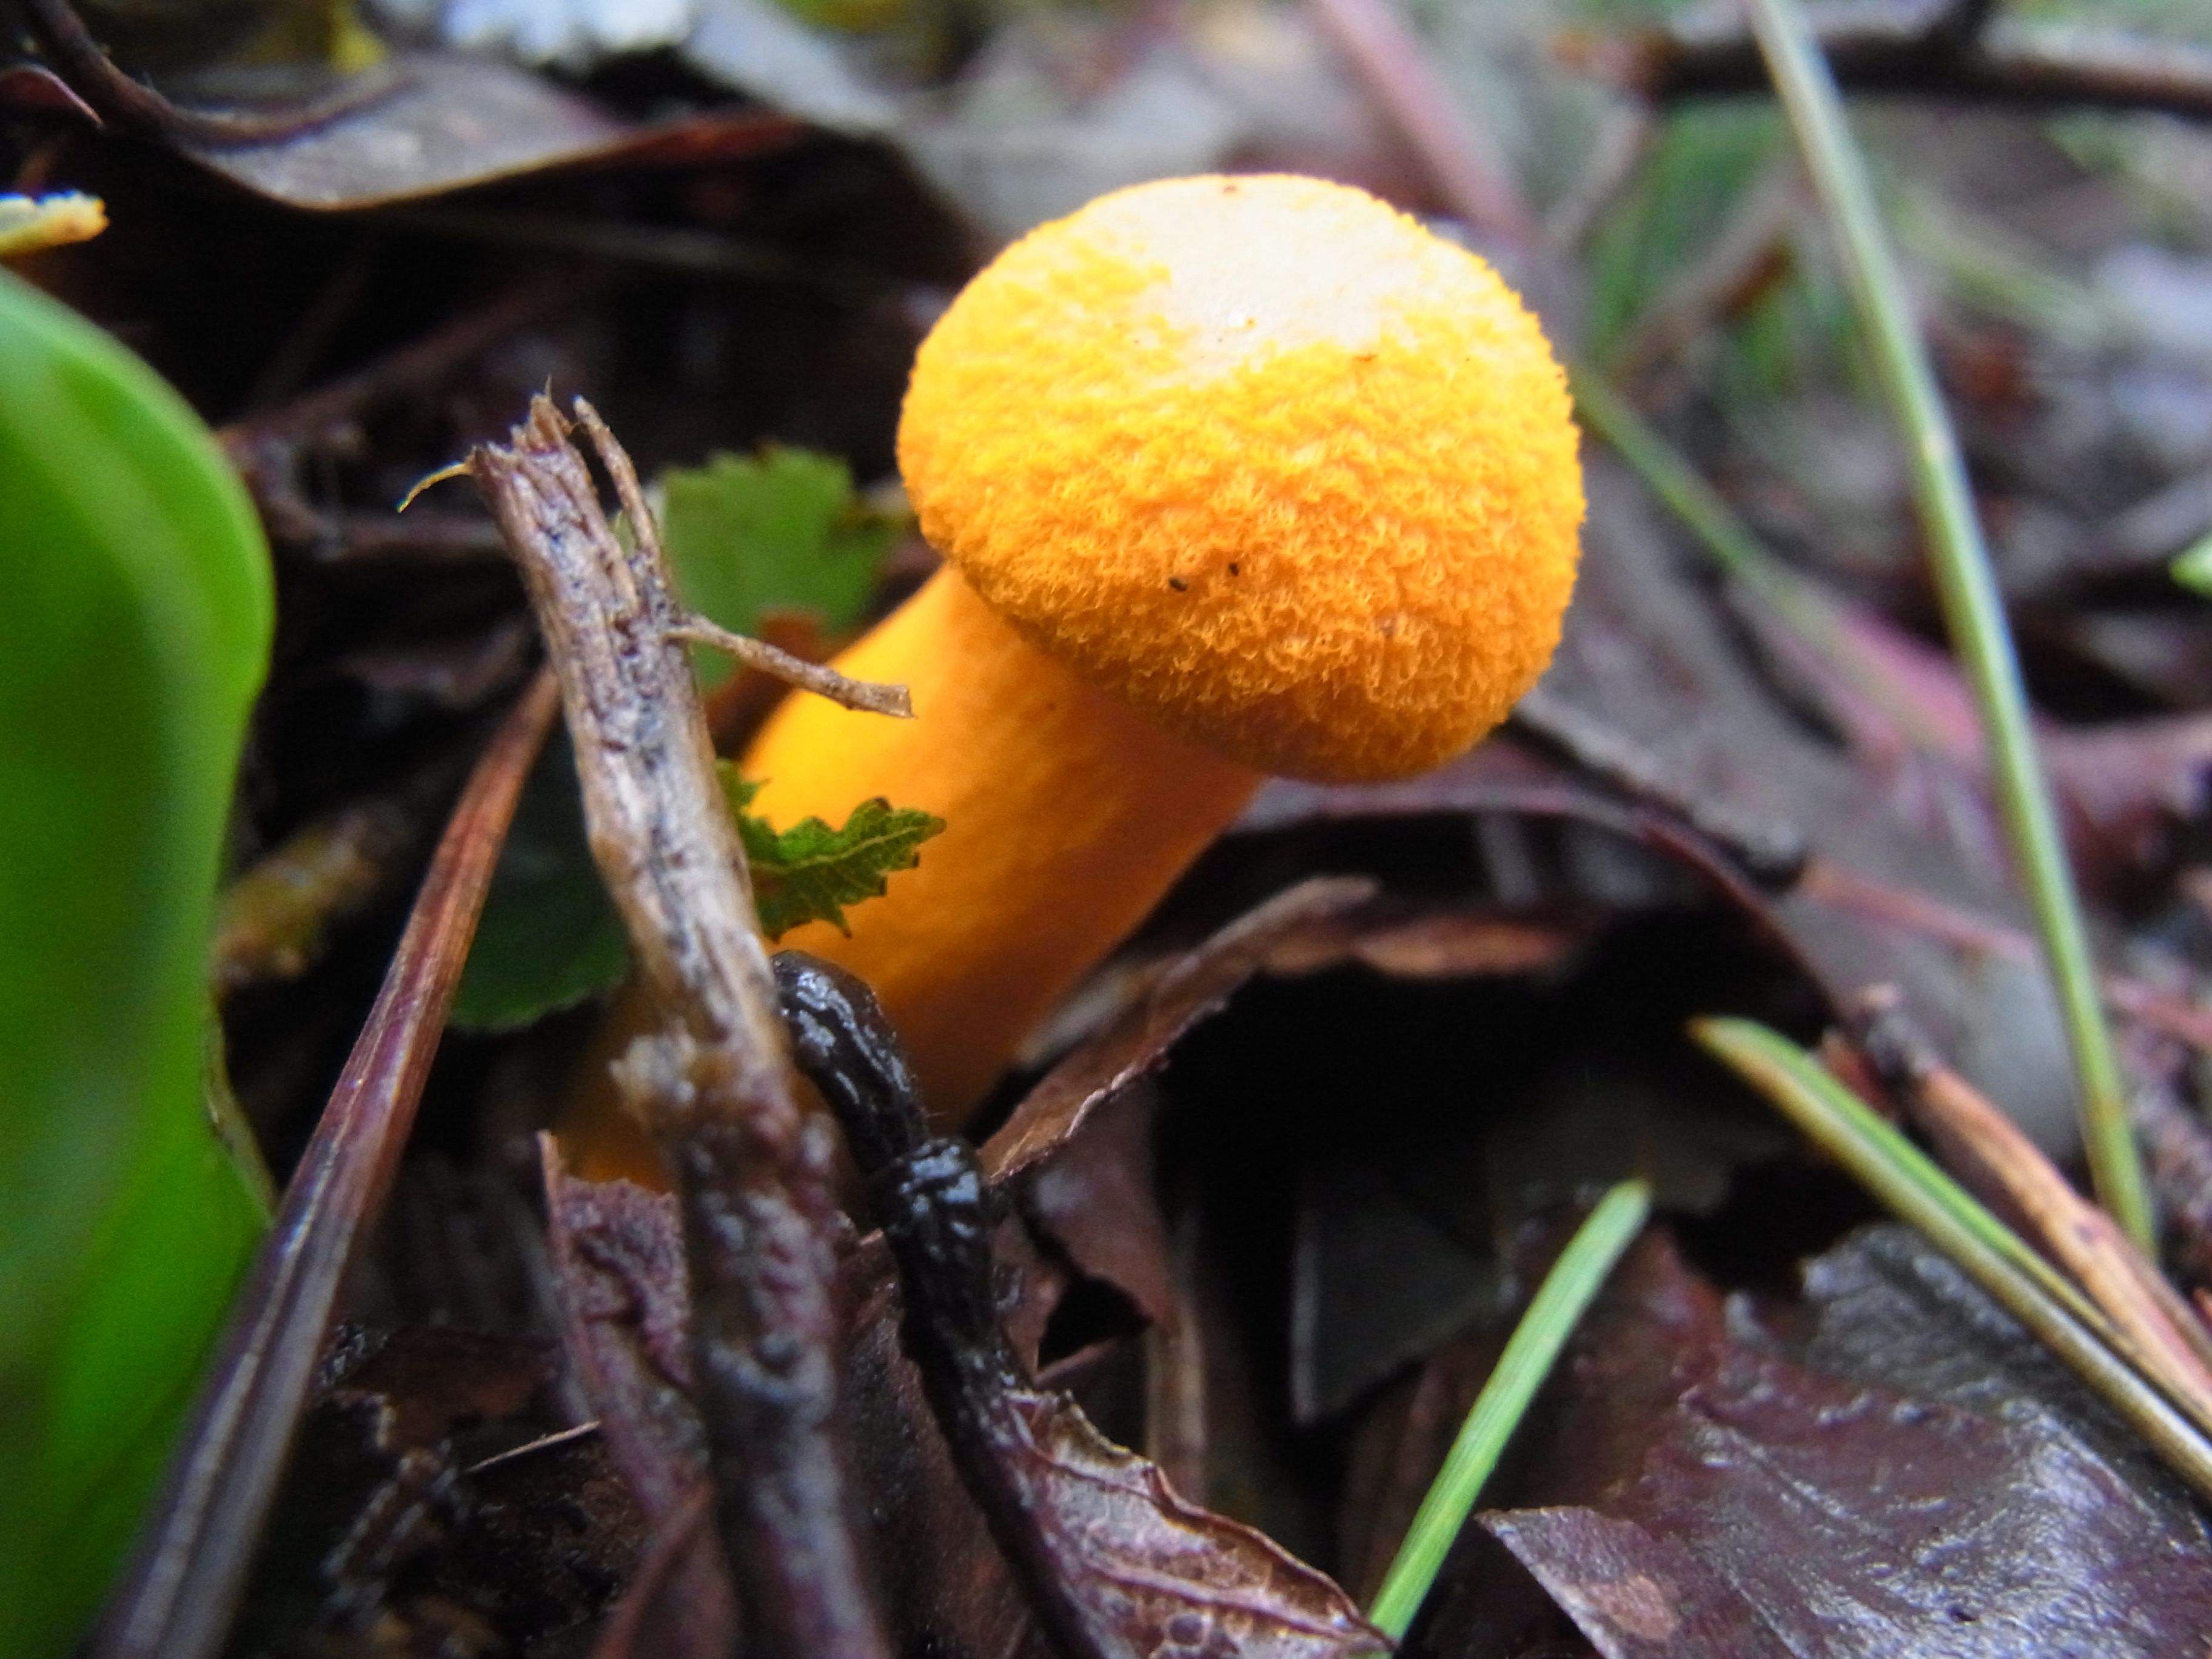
<point x="1940" y="1488"/>
<point x="453" y="120"/>
<point x="1171" y="1577"/>
<point x="1164" y="1577"/>
<point x="1182" y="992"/>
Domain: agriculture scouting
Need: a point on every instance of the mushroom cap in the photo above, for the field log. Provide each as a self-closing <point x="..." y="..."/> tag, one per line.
<point x="1264" y="457"/>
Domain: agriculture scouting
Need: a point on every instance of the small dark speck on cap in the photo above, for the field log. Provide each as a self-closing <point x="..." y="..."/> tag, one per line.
<point x="1233" y="570"/>
<point x="1178" y="584"/>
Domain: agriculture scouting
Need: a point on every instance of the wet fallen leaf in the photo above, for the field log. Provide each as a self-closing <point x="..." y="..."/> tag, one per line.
<point x="451" y="121"/>
<point x="1645" y="655"/>
<point x="1162" y="1576"/>
<point x="1166" y="1576"/>
<point x="1942" y="1488"/>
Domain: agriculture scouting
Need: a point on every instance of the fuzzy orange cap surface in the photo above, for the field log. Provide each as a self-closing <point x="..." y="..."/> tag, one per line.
<point x="1264" y="458"/>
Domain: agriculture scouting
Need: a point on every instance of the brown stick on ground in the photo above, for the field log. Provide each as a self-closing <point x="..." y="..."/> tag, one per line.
<point x="1990" y="1152"/>
<point x="1461" y="159"/>
<point x="131" y="104"/>
<point x="715" y="1084"/>
<point x="1941" y="51"/>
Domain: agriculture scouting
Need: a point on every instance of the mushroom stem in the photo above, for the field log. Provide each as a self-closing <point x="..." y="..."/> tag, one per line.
<point x="1067" y="816"/>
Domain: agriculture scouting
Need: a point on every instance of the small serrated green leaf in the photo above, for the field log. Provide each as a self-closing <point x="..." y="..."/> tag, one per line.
<point x="811" y="873"/>
<point x="781" y="530"/>
<point x="745" y="535"/>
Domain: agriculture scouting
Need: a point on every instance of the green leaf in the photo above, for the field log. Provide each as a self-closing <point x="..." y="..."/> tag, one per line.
<point x="549" y="937"/>
<point x="2192" y="567"/>
<point x="745" y="535"/>
<point x="810" y="872"/>
<point x="133" y="639"/>
<point x="782" y="531"/>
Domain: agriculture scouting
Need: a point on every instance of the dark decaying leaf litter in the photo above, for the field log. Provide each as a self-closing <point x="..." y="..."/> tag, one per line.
<point x="1940" y="1490"/>
<point x="1162" y="1360"/>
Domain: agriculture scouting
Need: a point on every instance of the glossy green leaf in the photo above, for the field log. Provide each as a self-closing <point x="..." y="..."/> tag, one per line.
<point x="133" y="636"/>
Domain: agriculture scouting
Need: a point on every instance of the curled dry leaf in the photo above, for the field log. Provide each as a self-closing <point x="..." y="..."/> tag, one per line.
<point x="1137" y="1042"/>
<point x="451" y="121"/>
<point x="1084" y="1135"/>
<point x="1164" y="1577"/>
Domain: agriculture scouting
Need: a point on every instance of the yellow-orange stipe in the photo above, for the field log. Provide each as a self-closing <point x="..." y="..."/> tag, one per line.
<point x="1023" y="761"/>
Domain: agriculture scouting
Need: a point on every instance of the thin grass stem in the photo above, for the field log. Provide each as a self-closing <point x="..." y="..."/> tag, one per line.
<point x="1987" y="1251"/>
<point x="1684" y="493"/>
<point x="1554" y="1313"/>
<point x="1794" y="601"/>
<point x="1971" y="608"/>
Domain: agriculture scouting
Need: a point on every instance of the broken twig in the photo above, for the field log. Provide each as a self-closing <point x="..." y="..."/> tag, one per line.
<point x="713" y="1082"/>
<point x="1915" y="49"/>
<point x="869" y="695"/>
<point x="1986" y="1148"/>
<point x="132" y="104"/>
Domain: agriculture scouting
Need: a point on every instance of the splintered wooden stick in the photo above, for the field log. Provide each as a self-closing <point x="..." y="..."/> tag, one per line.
<point x="1991" y="1154"/>
<point x="713" y="1082"/>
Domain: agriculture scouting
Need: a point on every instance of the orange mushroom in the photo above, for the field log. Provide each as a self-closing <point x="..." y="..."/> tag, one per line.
<point x="1232" y="476"/>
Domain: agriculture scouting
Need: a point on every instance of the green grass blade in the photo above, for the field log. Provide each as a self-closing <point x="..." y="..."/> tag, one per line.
<point x="1794" y="602"/>
<point x="1913" y="1190"/>
<point x="1878" y="1154"/>
<point x="1557" y="1309"/>
<point x="1968" y="590"/>
<point x="1686" y="494"/>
